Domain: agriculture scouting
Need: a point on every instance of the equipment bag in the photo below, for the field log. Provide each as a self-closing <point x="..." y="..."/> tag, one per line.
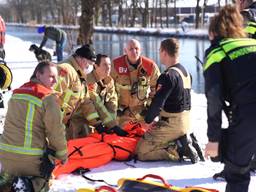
<point x="142" y="185"/>
<point x="5" y="76"/>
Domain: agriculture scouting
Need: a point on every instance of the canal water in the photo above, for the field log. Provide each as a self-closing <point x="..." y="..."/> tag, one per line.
<point x="113" y="44"/>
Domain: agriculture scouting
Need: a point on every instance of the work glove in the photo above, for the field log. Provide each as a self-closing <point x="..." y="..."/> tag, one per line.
<point x="47" y="163"/>
<point x="100" y="128"/>
<point x="117" y="130"/>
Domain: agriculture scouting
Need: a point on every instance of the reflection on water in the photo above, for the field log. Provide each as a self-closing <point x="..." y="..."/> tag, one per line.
<point x="113" y="44"/>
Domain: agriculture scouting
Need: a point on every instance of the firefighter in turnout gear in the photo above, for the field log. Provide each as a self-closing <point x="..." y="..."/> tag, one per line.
<point x="172" y="103"/>
<point x="230" y="85"/>
<point x="33" y="123"/>
<point x="135" y="79"/>
<point x="72" y="89"/>
<point x="102" y="92"/>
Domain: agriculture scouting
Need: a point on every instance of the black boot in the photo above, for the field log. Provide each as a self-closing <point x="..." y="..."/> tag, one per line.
<point x="186" y="148"/>
<point x="197" y="147"/>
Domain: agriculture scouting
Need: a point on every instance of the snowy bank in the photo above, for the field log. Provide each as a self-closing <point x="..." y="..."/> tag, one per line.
<point x="22" y="63"/>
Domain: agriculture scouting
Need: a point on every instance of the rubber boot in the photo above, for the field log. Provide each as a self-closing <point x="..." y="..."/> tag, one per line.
<point x="187" y="148"/>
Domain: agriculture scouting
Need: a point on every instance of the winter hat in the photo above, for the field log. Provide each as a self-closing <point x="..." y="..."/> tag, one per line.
<point x="86" y="51"/>
<point x="41" y="29"/>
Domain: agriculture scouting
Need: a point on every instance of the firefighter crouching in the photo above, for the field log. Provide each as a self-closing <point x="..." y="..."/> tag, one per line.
<point x="230" y="77"/>
<point x="72" y="89"/>
<point x="135" y="79"/>
<point x="172" y="102"/>
<point x="33" y="124"/>
<point x="102" y="92"/>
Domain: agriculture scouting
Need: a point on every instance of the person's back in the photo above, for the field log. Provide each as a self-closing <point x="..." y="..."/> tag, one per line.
<point x="230" y="86"/>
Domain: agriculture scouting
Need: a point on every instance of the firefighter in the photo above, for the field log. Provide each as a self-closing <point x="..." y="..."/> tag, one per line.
<point x="172" y="103"/>
<point x="135" y="79"/>
<point x="102" y="92"/>
<point x="230" y="85"/>
<point x="33" y="123"/>
<point x="72" y="89"/>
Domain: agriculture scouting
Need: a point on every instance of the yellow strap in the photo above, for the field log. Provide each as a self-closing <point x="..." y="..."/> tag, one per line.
<point x="186" y="80"/>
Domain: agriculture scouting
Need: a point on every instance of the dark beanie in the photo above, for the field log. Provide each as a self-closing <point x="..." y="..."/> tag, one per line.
<point x="86" y="51"/>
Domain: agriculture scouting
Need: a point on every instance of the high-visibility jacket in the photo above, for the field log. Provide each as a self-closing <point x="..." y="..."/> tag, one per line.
<point x="135" y="87"/>
<point x="33" y="120"/>
<point x="72" y="89"/>
<point x="103" y="94"/>
<point x="2" y="31"/>
<point x="249" y="15"/>
<point x="230" y="75"/>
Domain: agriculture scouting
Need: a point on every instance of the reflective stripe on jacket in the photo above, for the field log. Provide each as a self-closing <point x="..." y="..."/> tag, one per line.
<point x="33" y="119"/>
<point x="72" y="90"/>
<point x="135" y="87"/>
<point x="103" y="94"/>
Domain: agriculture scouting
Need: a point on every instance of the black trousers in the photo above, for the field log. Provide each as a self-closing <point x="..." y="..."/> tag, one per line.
<point x="241" y="146"/>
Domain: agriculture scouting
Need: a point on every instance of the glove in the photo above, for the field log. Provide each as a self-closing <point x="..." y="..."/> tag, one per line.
<point x="117" y="130"/>
<point x="47" y="163"/>
<point x="100" y="128"/>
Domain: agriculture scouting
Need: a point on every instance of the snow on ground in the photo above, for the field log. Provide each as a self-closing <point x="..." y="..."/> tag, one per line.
<point x="22" y="63"/>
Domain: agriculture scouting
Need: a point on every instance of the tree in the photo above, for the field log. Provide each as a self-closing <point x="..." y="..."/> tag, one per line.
<point x="86" y="22"/>
<point x="198" y="10"/>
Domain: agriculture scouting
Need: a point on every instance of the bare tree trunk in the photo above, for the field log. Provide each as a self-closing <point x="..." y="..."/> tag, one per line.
<point x="97" y="12"/>
<point x="161" y="13"/>
<point x="167" y="12"/>
<point x="120" y="13"/>
<point x="197" y="14"/>
<point x="109" y="6"/>
<point x="134" y="12"/>
<point x="86" y="22"/>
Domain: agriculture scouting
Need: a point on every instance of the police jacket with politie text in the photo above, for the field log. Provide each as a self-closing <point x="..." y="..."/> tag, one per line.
<point x="171" y="96"/>
<point x="230" y="75"/>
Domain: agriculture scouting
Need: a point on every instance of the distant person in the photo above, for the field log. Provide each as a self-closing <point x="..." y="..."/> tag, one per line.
<point x="248" y="10"/>
<point x="55" y="34"/>
<point x="102" y="92"/>
<point x="135" y="79"/>
<point x="2" y="38"/>
<point x="33" y="124"/>
<point x="172" y="103"/>
<point x="230" y="85"/>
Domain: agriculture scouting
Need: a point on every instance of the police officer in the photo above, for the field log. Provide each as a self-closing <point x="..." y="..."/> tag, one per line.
<point x="172" y="102"/>
<point x="135" y="79"/>
<point x="55" y="34"/>
<point x="33" y="123"/>
<point x="230" y="73"/>
<point x="102" y="92"/>
<point x="71" y="87"/>
<point x="248" y="10"/>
